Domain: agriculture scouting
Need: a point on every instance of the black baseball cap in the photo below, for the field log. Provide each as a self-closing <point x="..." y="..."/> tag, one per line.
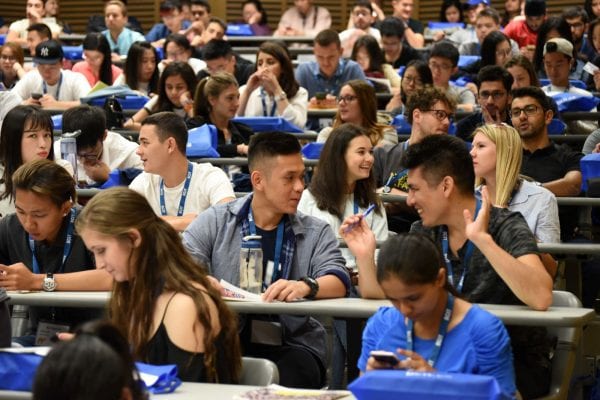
<point x="48" y="52"/>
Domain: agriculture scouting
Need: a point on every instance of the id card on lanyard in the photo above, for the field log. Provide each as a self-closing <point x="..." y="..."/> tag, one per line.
<point x="263" y="96"/>
<point x="277" y="265"/>
<point x="184" y="193"/>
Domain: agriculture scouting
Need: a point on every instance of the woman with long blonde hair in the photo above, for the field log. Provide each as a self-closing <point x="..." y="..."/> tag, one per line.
<point x="162" y="299"/>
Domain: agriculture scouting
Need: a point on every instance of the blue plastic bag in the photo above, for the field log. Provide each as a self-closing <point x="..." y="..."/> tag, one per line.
<point x="17" y="370"/>
<point x="464" y="61"/>
<point x="435" y="25"/>
<point x="268" y="124"/>
<point x="590" y="168"/>
<point x="575" y="102"/>
<point x="57" y="122"/>
<point x="127" y="102"/>
<point x="73" y="53"/>
<point x="239" y="30"/>
<point x="164" y="379"/>
<point x="573" y="82"/>
<point x="202" y="142"/>
<point x="312" y="150"/>
<point x="400" y="384"/>
<point x="401" y="124"/>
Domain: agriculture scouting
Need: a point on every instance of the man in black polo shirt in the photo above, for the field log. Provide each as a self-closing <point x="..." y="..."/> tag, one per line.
<point x="555" y="167"/>
<point x="396" y="50"/>
<point x="493" y="86"/>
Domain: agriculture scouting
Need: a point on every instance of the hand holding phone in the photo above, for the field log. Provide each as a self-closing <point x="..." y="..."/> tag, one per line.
<point x="36" y="96"/>
<point x="386" y="357"/>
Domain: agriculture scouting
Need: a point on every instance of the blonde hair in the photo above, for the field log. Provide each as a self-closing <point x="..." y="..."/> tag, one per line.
<point x="161" y="265"/>
<point x="509" y="155"/>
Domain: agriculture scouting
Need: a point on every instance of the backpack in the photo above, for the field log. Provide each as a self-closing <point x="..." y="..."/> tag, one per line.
<point x="114" y="113"/>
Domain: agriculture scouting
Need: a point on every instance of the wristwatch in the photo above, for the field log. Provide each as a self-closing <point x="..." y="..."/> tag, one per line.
<point x="49" y="284"/>
<point x="280" y="96"/>
<point x="312" y="284"/>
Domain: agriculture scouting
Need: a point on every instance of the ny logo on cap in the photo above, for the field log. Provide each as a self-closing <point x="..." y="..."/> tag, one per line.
<point x="44" y="52"/>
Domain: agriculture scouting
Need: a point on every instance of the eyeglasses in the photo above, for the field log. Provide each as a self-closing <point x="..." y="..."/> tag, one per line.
<point x="441" y="115"/>
<point x="92" y="156"/>
<point x="529" y="110"/>
<point x="505" y="53"/>
<point x="496" y="95"/>
<point x="577" y="25"/>
<point x="346" y="99"/>
<point x="7" y="58"/>
<point x="413" y="79"/>
<point x="442" y="67"/>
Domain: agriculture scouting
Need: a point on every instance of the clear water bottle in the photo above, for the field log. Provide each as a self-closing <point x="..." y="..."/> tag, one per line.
<point x="68" y="149"/>
<point x="19" y="320"/>
<point x="251" y="264"/>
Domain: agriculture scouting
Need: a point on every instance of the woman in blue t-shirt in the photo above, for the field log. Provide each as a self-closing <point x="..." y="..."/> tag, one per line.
<point x="426" y="311"/>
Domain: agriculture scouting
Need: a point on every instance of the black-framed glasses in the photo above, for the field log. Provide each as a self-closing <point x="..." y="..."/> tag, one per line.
<point x="441" y="115"/>
<point x="346" y="99"/>
<point x="529" y="110"/>
<point x="496" y="95"/>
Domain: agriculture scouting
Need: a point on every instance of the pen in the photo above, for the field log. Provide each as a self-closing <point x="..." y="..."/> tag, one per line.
<point x="368" y="211"/>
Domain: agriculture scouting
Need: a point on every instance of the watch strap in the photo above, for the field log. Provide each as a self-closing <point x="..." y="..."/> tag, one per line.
<point x="312" y="284"/>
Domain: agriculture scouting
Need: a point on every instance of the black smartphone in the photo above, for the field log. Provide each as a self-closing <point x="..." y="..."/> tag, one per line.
<point x="385" y="357"/>
<point x="36" y="96"/>
<point x="320" y="95"/>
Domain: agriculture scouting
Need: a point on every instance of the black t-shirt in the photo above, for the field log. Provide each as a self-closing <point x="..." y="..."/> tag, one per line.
<point x="466" y="126"/>
<point x="408" y="53"/>
<point x="551" y="163"/>
<point x="387" y="161"/>
<point x="14" y="248"/>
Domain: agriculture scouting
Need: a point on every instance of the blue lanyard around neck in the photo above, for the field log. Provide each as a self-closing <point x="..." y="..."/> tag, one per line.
<point x="263" y="95"/>
<point x="467" y="258"/>
<point x="441" y="334"/>
<point x="66" y="247"/>
<point x="45" y="87"/>
<point x="184" y="192"/>
<point x="277" y="267"/>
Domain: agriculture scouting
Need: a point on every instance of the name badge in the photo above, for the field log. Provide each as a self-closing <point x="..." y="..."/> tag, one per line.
<point x="266" y="332"/>
<point x="48" y="330"/>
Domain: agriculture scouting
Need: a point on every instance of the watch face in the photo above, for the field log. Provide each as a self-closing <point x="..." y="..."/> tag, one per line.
<point x="49" y="284"/>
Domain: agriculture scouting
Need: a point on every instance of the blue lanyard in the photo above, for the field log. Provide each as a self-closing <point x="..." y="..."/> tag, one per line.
<point x="66" y="247"/>
<point x="45" y="87"/>
<point x="264" y="104"/>
<point x="277" y="267"/>
<point x="466" y="259"/>
<point x="441" y="334"/>
<point x="184" y="192"/>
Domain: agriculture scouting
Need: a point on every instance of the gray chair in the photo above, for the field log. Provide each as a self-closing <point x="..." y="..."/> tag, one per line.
<point x="563" y="361"/>
<point x="258" y="372"/>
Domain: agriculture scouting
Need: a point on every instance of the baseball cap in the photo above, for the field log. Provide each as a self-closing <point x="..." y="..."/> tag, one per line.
<point x="473" y="3"/>
<point x="535" y="8"/>
<point x="559" y="45"/>
<point x="48" y="52"/>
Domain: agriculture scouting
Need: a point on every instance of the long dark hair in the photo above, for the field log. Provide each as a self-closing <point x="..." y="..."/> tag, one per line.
<point x="133" y="63"/>
<point x="173" y="69"/>
<point x="446" y="4"/>
<point x="588" y="8"/>
<point x="11" y="137"/>
<point x="97" y="41"/>
<point x="287" y="80"/>
<point x="424" y="73"/>
<point x="376" y="57"/>
<point x="260" y="8"/>
<point x="160" y="264"/>
<point x="329" y="184"/>
<point x="558" y="23"/>
<point x="489" y="45"/>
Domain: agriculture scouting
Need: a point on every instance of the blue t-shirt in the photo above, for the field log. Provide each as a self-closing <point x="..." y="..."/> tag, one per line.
<point x="479" y="344"/>
<point x="309" y="76"/>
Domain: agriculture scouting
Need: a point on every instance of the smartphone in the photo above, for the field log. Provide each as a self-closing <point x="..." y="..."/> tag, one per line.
<point x="36" y="96"/>
<point x="320" y="95"/>
<point x="385" y="357"/>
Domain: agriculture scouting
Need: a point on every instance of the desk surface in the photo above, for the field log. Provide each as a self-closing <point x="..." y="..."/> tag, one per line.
<point x="343" y="308"/>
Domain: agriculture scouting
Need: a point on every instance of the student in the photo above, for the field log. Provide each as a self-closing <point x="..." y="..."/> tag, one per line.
<point x="522" y="71"/>
<point x="99" y="151"/>
<point x="503" y="266"/>
<point x="57" y="88"/>
<point x="97" y="23"/>
<point x="397" y="52"/>
<point x="215" y="30"/>
<point x="97" y="65"/>
<point x="51" y="8"/>
<point x="497" y="166"/>
<point x="26" y="135"/>
<point x="176" y="189"/>
<point x="95" y="365"/>
<point x="219" y="57"/>
<point x="175" y="88"/>
<point x="357" y="104"/>
<point x="36" y="34"/>
<point x="579" y="20"/>
<point x="525" y="31"/>
<point x="443" y="62"/>
<point x="413" y="29"/>
<point x="141" y="69"/>
<point x="162" y="299"/>
<point x="367" y="53"/>
<point x="362" y="21"/>
<point x="343" y="183"/>
<point x="118" y="35"/>
<point x="488" y="21"/>
<point x="513" y="9"/>
<point x="255" y="15"/>
<point x="304" y="19"/>
<point x="306" y="264"/>
<point x="40" y="250"/>
<point x="172" y="22"/>
<point x="11" y="65"/>
<point x="494" y="84"/>
<point x="473" y="340"/>
<point x="216" y="102"/>
<point x="415" y="76"/>
<point x="178" y="48"/>
<point x="329" y="72"/>
<point x="468" y="35"/>
<point x="272" y="90"/>
<point x="495" y="50"/>
<point x="34" y="9"/>
<point x="200" y="11"/>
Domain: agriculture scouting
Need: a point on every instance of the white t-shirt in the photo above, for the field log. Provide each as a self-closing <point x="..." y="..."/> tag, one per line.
<point x="117" y="152"/>
<point x="377" y="222"/>
<point x="73" y="86"/>
<point x="208" y="186"/>
<point x="295" y="112"/>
